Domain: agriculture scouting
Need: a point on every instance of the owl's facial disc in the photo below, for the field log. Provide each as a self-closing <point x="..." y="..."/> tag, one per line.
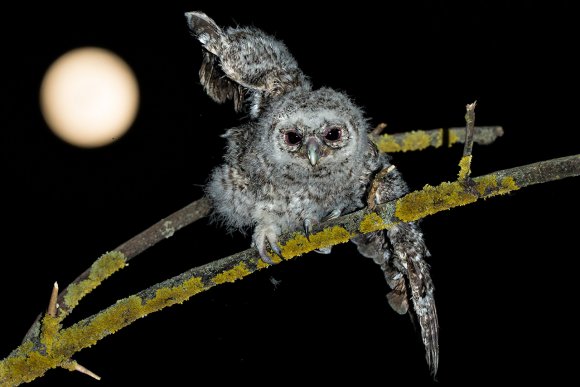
<point x="314" y="137"/>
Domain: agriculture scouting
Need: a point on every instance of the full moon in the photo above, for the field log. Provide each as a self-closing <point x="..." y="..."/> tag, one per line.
<point x="89" y="97"/>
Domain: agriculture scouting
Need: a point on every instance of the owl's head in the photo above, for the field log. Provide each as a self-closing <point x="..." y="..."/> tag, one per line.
<point x="298" y="126"/>
<point x="313" y="128"/>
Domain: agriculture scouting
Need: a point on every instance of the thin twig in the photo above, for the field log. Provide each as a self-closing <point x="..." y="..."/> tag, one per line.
<point x="469" y="128"/>
<point x="465" y="162"/>
<point x="21" y="366"/>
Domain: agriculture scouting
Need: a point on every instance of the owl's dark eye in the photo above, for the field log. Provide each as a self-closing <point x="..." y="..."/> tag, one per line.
<point x="292" y="137"/>
<point x="333" y="134"/>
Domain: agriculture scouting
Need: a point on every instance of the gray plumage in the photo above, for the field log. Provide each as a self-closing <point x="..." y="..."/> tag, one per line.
<point x="304" y="156"/>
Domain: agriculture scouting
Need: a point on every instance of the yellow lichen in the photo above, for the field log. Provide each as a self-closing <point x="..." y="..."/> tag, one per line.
<point x="486" y="184"/>
<point x="17" y="368"/>
<point x="430" y="200"/>
<point x="193" y="286"/>
<point x="411" y="141"/>
<point x="235" y="273"/>
<point x="387" y="144"/>
<point x="49" y="331"/>
<point x="102" y="268"/>
<point x="464" y="167"/>
<point x="262" y="265"/>
<point x="299" y="244"/>
<point x="70" y="365"/>
<point x="439" y="138"/>
<point x="508" y="184"/>
<point x="371" y="222"/>
<point x="416" y="140"/>
<point x="109" y="321"/>
<point x="176" y="295"/>
<point x="453" y="138"/>
<point x="489" y="185"/>
<point x="26" y="364"/>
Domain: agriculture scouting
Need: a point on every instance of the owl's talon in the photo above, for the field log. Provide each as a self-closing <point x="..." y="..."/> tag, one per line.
<point x="324" y="250"/>
<point x="276" y="249"/>
<point x="266" y="258"/>
<point x="332" y="215"/>
<point x="308" y="227"/>
<point x="265" y="237"/>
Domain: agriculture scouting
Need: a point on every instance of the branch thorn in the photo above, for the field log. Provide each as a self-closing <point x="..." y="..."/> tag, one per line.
<point x="378" y="129"/>
<point x="52" y="305"/>
<point x="72" y="365"/>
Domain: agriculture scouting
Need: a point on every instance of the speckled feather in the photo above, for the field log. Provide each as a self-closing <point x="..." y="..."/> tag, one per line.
<point x="305" y="155"/>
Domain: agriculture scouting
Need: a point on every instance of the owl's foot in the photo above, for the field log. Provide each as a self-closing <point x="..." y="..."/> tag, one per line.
<point x="263" y="238"/>
<point x="308" y="223"/>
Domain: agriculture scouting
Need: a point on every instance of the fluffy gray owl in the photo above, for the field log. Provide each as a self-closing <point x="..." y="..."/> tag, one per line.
<point x="303" y="157"/>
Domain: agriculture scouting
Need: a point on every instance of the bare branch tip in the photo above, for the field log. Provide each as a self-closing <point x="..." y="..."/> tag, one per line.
<point x="52" y="304"/>
<point x="83" y="370"/>
<point x="378" y="129"/>
<point x="471" y="106"/>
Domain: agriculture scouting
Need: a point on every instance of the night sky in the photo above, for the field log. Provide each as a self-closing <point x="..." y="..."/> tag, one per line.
<point x="504" y="269"/>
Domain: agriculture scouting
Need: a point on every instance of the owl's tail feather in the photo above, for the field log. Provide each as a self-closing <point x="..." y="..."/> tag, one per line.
<point x="423" y="301"/>
<point x="408" y="262"/>
<point x="407" y="274"/>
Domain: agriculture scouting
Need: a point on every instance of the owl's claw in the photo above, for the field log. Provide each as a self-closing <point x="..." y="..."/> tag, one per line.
<point x="332" y="215"/>
<point x="308" y="222"/>
<point x="276" y="249"/>
<point x="266" y="258"/>
<point x="308" y="227"/>
<point x="264" y="238"/>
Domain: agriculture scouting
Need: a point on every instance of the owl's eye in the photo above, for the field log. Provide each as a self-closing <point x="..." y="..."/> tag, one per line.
<point x="292" y="137"/>
<point x="333" y="134"/>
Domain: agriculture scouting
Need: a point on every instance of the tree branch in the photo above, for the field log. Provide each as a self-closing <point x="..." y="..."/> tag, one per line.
<point x="109" y="263"/>
<point x="465" y="162"/>
<point x="56" y="345"/>
<point x="165" y="228"/>
<point x="422" y="139"/>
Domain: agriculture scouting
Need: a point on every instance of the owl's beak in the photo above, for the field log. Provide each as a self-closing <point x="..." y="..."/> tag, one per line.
<point x="313" y="150"/>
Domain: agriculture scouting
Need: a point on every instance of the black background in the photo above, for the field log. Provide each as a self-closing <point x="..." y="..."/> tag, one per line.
<point x="504" y="269"/>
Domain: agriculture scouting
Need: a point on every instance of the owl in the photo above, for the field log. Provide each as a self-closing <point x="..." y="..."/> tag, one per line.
<point x="302" y="157"/>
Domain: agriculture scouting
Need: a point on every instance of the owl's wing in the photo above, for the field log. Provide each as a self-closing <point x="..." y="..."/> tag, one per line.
<point x="401" y="253"/>
<point x="244" y="64"/>
<point x="213" y="79"/>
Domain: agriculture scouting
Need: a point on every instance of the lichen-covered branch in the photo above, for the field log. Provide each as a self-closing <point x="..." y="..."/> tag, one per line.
<point x="57" y="345"/>
<point x="165" y="228"/>
<point x="422" y="139"/>
<point x="109" y="263"/>
<point x="161" y="230"/>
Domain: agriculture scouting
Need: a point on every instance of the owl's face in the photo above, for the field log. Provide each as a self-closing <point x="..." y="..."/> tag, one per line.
<point x="314" y="128"/>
